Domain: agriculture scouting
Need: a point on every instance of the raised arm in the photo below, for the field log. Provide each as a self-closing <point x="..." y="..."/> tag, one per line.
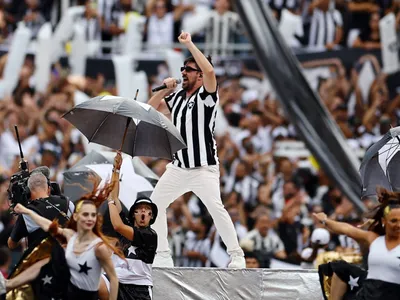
<point x="346" y="229"/>
<point x="42" y="222"/>
<point x="209" y="78"/>
<point x="118" y="225"/>
<point x="114" y="195"/>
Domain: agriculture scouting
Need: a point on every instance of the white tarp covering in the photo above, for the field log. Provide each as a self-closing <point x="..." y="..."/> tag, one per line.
<point x="251" y="284"/>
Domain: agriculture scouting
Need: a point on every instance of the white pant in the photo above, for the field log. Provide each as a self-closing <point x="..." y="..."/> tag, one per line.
<point x="204" y="182"/>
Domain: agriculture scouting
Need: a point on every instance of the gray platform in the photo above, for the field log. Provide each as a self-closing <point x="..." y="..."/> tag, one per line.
<point x="218" y="284"/>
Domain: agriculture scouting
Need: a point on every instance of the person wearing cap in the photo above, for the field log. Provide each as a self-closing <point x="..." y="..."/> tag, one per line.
<point x="320" y="238"/>
<point x="138" y="241"/>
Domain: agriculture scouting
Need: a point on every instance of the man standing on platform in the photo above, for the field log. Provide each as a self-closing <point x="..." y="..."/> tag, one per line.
<point x="193" y="110"/>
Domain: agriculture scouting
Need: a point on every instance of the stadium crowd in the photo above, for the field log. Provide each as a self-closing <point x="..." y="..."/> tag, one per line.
<point x="270" y="192"/>
<point x="319" y="24"/>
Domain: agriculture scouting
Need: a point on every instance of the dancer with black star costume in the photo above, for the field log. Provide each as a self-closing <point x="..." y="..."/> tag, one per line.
<point x="383" y="239"/>
<point x="139" y="240"/>
<point x="88" y="250"/>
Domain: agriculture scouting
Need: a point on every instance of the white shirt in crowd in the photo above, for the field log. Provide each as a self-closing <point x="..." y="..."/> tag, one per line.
<point x="160" y="32"/>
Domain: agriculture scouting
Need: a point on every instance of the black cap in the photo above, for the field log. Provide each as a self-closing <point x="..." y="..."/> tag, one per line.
<point x="144" y="200"/>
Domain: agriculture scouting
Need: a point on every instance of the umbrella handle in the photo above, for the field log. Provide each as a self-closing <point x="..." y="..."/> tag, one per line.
<point x="128" y="121"/>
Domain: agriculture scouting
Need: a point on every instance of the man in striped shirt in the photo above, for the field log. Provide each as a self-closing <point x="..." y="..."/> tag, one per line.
<point x="193" y="110"/>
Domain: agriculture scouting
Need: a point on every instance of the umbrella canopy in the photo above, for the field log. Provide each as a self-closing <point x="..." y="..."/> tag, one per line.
<point x="93" y="158"/>
<point x="76" y="183"/>
<point x="380" y="164"/>
<point x="107" y="157"/>
<point x="103" y="120"/>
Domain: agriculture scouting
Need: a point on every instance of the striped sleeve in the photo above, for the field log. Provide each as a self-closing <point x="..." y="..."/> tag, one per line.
<point x="209" y="99"/>
<point x="170" y="100"/>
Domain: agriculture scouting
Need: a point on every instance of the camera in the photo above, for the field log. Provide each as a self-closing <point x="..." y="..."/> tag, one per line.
<point x="18" y="191"/>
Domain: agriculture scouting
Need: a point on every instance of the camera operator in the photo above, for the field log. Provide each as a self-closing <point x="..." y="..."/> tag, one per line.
<point x="44" y="204"/>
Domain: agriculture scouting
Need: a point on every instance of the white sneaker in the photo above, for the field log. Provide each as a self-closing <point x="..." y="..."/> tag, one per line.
<point x="163" y="260"/>
<point x="237" y="262"/>
<point x="2" y="284"/>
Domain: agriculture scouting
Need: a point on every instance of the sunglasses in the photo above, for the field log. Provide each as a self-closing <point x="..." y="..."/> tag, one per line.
<point x="189" y="69"/>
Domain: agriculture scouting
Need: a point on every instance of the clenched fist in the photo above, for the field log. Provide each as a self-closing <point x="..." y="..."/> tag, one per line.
<point x="184" y="38"/>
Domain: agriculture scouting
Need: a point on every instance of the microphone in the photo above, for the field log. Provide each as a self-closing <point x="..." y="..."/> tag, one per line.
<point x="43" y="169"/>
<point x="164" y="86"/>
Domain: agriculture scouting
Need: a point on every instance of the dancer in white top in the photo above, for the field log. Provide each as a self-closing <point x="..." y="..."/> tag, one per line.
<point x="88" y="250"/>
<point x="383" y="239"/>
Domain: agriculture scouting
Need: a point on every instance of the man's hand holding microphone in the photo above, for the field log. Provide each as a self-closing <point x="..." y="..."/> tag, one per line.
<point x="168" y="83"/>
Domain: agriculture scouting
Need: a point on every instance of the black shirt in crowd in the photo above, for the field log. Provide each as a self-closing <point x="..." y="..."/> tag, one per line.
<point x="48" y="208"/>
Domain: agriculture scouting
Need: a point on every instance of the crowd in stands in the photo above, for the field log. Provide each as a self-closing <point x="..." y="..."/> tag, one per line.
<point x="270" y="194"/>
<point x="316" y="24"/>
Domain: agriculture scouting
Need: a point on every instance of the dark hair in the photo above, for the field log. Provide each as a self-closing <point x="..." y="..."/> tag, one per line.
<point x="388" y="200"/>
<point x="251" y="254"/>
<point x="191" y="59"/>
<point x="297" y="182"/>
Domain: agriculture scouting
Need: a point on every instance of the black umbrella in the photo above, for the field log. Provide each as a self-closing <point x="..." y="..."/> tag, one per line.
<point x="121" y="123"/>
<point x="380" y="165"/>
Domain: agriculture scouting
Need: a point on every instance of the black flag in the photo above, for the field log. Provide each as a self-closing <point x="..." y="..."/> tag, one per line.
<point x="304" y="109"/>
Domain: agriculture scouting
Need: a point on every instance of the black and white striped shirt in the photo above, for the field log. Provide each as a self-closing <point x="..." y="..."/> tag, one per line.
<point x="92" y="28"/>
<point x="194" y="117"/>
<point x="221" y="31"/>
<point x="192" y="243"/>
<point x="323" y="27"/>
<point x="105" y="9"/>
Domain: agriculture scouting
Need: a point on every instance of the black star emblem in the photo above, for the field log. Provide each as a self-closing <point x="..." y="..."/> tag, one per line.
<point x="84" y="268"/>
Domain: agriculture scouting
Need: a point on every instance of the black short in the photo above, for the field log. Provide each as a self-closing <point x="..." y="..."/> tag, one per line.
<point x="378" y="290"/>
<point x="75" y="293"/>
<point x="345" y="271"/>
<point x="134" y="292"/>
